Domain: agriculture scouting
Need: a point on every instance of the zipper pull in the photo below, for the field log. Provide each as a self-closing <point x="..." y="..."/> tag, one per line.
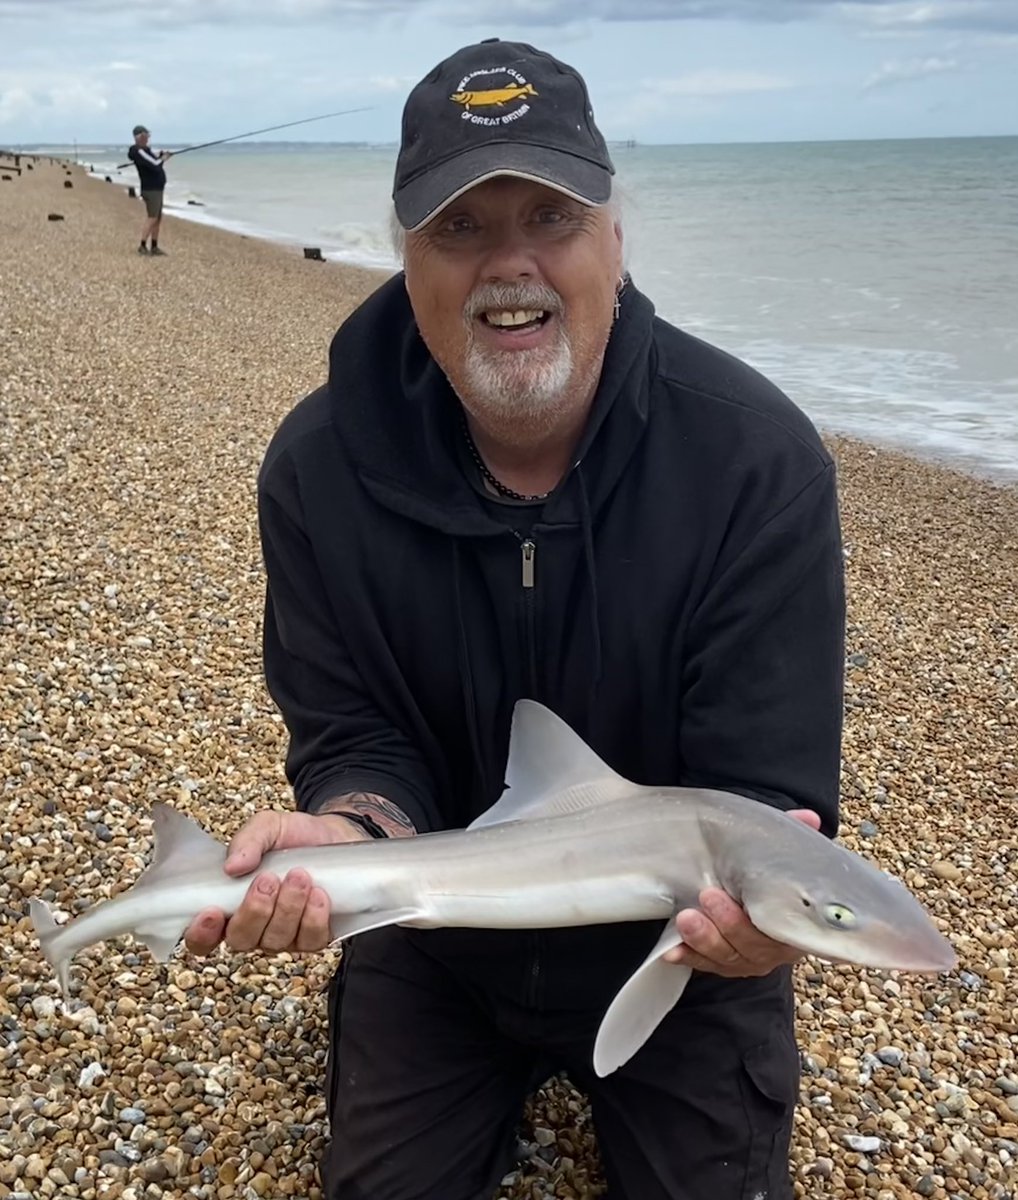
<point x="529" y="550"/>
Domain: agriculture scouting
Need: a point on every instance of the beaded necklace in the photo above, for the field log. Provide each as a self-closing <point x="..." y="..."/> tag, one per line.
<point x="482" y="466"/>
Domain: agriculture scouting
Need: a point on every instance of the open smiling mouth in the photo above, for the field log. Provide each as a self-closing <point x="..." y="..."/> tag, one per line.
<point x="519" y="319"/>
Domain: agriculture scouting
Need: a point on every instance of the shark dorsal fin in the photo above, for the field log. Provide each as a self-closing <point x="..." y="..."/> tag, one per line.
<point x="181" y="847"/>
<point x="551" y="771"/>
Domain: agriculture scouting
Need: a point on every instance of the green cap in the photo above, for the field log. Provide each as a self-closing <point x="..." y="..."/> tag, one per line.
<point x="139" y="129"/>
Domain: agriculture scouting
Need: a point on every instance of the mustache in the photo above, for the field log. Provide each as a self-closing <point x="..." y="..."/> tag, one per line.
<point x="512" y="296"/>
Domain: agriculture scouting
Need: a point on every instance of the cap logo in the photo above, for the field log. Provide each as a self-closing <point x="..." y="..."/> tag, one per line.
<point x="514" y="91"/>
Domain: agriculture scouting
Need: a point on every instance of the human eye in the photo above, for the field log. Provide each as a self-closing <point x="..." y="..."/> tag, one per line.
<point x="458" y="224"/>
<point x="556" y="218"/>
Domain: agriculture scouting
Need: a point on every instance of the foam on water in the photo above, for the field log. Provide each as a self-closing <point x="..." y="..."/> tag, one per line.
<point x="885" y="396"/>
<point x="360" y="244"/>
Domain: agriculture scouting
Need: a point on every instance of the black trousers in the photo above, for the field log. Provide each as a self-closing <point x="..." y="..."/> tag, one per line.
<point x="438" y="1036"/>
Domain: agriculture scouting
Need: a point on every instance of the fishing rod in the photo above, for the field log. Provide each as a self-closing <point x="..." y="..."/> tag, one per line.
<point x="269" y="129"/>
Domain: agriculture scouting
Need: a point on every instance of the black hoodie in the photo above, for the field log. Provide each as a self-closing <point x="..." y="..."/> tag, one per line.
<point x="686" y="609"/>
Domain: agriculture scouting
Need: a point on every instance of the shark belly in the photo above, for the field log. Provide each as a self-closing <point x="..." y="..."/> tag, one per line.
<point x="546" y="905"/>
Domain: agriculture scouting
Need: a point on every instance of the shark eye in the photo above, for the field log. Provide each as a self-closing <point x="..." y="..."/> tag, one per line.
<point x="839" y="916"/>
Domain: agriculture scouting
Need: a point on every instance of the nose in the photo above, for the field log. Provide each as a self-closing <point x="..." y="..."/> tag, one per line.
<point x="509" y="258"/>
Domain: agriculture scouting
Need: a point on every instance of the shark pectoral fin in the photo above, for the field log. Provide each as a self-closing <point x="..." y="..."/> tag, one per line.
<point x="161" y="937"/>
<point x="345" y="925"/>
<point x="640" y="1005"/>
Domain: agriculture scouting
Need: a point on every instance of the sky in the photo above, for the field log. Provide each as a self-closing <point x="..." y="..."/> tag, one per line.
<point x="665" y="71"/>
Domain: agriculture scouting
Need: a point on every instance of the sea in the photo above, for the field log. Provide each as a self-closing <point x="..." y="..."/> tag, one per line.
<point x="875" y="282"/>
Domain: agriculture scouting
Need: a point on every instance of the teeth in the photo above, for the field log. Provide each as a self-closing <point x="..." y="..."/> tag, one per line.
<point x="506" y="319"/>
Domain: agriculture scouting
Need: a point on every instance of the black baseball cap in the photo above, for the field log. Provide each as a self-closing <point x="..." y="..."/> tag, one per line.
<point x="139" y="129"/>
<point x="497" y="108"/>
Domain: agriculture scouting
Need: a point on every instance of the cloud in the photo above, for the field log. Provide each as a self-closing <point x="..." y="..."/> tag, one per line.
<point x="71" y="100"/>
<point x="907" y="70"/>
<point x="718" y="83"/>
<point x="993" y="16"/>
<point x="15" y="104"/>
<point x="184" y="13"/>
<point x="694" y="95"/>
<point x="31" y="95"/>
<point x="45" y="9"/>
<point x="999" y="16"/>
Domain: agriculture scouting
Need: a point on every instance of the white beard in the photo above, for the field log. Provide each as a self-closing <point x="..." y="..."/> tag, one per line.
<point x="518" y="383"/>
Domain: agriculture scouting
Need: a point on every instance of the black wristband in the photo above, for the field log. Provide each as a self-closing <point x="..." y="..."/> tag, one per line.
<point x="370" y="827"/>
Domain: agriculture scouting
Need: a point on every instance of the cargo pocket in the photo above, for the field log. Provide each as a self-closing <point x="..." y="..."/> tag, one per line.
<point x="769" y="1084"/>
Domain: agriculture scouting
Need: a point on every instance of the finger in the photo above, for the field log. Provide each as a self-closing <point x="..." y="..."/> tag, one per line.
<point x="740" y="969"/>
<point x="714" y="956"/>
<point x="245" y="928"/>
<point x="284" y="924"/>
<point x="314" y="932"/>
<point x="250" y="843"/>
<point x="205" y="932"/>
<point x="702" y="937"/>
<point x="736" y="929"/>
<point x="806" y="815"/>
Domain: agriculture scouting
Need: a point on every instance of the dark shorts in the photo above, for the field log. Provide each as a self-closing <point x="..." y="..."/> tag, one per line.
<point x="438" y="1037"/>
<point x="153" y="203"/>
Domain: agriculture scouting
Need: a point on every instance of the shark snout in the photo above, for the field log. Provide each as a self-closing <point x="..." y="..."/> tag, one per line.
<point x="925" y="950"/>
<point x="914" y="946"/>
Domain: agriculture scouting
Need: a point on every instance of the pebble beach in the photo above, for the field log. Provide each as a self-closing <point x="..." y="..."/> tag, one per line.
<point x="137" y="396"/>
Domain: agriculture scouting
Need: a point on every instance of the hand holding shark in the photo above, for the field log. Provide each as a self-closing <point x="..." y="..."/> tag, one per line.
<point x="719" y="937"/>
<point x="276" y="914"/>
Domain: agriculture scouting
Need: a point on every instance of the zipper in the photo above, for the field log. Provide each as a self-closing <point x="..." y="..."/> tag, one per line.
<point x="528" y="578"/>
<point x="529" y="549"/>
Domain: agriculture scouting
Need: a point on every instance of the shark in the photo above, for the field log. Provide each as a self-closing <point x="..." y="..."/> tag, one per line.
<point x="569" y="842"/>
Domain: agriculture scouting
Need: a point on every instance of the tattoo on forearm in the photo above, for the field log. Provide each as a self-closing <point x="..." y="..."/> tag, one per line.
<point x="372" y="810"/>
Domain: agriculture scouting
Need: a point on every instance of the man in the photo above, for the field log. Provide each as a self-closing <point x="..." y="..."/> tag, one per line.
<point x="152" y="182"/>
<point x="519" y="481"/>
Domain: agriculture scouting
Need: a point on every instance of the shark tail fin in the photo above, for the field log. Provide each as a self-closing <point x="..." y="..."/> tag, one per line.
<point x="46" y="930"/>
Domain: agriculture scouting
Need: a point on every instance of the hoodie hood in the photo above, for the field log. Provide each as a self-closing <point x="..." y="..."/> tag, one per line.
<point x="400" y="435"/>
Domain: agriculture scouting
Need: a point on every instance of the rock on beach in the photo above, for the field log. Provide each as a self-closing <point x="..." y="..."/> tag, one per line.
<point x="138" y="397"/>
